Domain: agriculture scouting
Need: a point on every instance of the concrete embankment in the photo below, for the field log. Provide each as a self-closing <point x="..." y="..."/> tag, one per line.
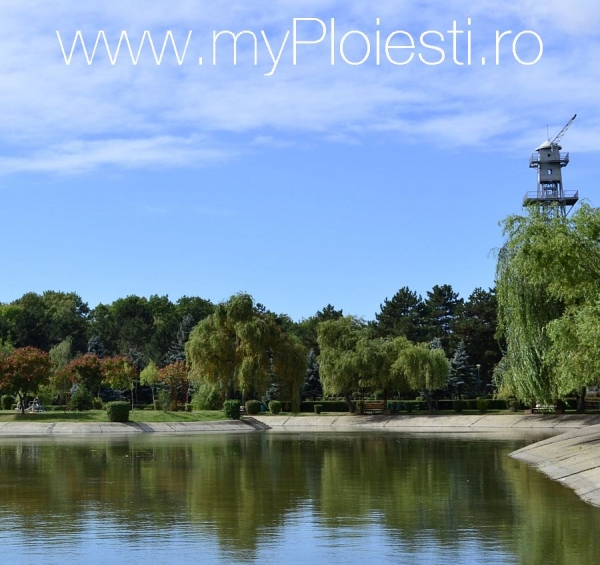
<point x="412" y="423"/>
<point x="436" y="423"/>
<point x="32" y="428"/>
<point x="572" y="458"/>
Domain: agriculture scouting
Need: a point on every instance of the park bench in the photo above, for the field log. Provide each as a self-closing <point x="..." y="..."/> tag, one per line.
<point x="592" y="403"/>
<point x="373" y="407"/>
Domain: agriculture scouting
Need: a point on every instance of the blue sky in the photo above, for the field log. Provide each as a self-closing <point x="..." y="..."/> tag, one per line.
<point x="318" y="184"/>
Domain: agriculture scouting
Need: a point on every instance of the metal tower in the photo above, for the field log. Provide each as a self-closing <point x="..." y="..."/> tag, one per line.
<point x="550" y="196"/>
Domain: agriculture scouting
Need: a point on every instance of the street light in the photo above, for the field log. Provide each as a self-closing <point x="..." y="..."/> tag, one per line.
<point x="478" y="381"/>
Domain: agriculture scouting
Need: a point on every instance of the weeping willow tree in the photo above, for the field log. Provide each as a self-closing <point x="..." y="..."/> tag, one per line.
<point x="353" y="360"/>
<point x="424" y="368"/>
<point x="236" y="349"/>
<point x="548" y="288"/>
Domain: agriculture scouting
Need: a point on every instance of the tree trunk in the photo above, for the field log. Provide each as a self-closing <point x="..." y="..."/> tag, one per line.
<point x="429" y="402"/>
<point x="21" y="402"/>
<point x="349" y="403"/>
<point x="581" y="400"/>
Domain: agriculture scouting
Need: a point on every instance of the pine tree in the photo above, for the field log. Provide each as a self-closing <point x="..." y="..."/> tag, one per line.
<point x="177" y="349"/>
<point x="460" y="378"/>
<point x="402" y="315"/>
<point x="312" y="383"/>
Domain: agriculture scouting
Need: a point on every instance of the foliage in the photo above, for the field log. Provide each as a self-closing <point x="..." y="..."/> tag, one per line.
<point x="482" y="405"/>
<point x="231" y="408"/>
<point x="307" y="328"/>
<point x="275" y="406"/>
<point x="253" y="407"/>
<point x="460" y="377"/>
<point x="118" y="373"/>
<point x="81" y="399"/>
<point x="312" y="381"/>
<point x="476" y="327"/>
<point x="117" y="411"/>
<point x="164" y="400"/>
<point x="207" y="397"/>
<point x="150" y="376"/>
<point x="458" y="405"/>
<point x="401" y="316"/>
<point x="239" y="346"/>
<point x="7" y="401"/>
<point x="177" y="349"/>
<point x="441" y="307"/>
<point x="548" y="280"/>
<point x="87" y="371"/>
<point x="424" y="368"/>
<point x="174" y="378"/>
<point x="352" y="359"/>
<point x="23" y="371"/>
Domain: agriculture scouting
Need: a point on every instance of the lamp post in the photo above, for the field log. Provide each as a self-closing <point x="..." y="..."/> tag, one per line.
<point x="478" y="381"/>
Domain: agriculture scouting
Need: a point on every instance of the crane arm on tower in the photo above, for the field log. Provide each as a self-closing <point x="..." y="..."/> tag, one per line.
<point x="562" y="132"/>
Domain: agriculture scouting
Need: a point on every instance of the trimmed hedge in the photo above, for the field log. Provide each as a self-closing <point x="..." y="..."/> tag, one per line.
<point x="253" y="407"/>
<point x="118" y="411"/>
<point x="275" y="407"/>
<point x="232" y="409"/>
<point x="7" y="401"/>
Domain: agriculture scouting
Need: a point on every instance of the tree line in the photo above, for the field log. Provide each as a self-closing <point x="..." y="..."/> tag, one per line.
<point x="241" y="348"/>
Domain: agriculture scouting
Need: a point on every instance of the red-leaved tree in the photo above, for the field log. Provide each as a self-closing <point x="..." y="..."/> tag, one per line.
<point x="23" y="371"/>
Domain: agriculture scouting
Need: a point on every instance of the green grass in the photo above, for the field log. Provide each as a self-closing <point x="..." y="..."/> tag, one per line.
<point x="100" y="416"/>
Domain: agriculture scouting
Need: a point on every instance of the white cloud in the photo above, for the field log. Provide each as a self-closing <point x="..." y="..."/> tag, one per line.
<point x="72" y="119"/>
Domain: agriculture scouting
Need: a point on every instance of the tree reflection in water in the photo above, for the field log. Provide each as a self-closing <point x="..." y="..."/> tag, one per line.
<point x="255" y="493"/>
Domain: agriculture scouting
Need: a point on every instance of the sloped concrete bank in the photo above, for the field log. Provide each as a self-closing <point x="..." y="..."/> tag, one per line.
<point x="572" y="458"/>
<point x="13" y="429"/>
<point x="436" y="423"/>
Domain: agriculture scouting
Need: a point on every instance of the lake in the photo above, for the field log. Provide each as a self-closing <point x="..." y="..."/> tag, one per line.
<point x="311" y="497"/>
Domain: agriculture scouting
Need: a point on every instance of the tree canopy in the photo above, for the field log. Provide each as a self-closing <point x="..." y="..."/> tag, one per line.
<point x="237" y="348"/>
<point x="548" y="281"/>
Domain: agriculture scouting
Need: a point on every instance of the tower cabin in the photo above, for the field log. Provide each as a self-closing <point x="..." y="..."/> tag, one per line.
<point x="550" y="195"/>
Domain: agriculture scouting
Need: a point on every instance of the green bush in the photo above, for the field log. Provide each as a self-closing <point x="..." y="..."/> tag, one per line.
<point x="232" y="409"/>
<point x="514" y="405"/>
<point x="189" y="407"/>
<point x="458" y="405"/>
<point x="7" y="401"/>
<point x="253" y="407"/>
<point x="275" y="406"/>
<point x="318" y="408"/>
<point x="97" y="403"/>
<point x="482" y="405"/>
<point x="81" y="400"/>
<point x="164" y="400"/>
<point x="118" y="411"/>
<point x="207" y="397"/>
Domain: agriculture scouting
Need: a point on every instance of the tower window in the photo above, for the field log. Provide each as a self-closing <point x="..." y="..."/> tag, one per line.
<point x="549" y="171"/>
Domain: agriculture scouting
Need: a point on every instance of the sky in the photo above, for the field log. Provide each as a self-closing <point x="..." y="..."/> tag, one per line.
<point x="353" y="148"/>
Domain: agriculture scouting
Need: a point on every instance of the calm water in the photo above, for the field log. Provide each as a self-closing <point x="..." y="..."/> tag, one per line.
<point x="285" y="498"/>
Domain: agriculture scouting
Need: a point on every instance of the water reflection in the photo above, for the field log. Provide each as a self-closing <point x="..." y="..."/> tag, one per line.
<point x="328" y="498"/>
